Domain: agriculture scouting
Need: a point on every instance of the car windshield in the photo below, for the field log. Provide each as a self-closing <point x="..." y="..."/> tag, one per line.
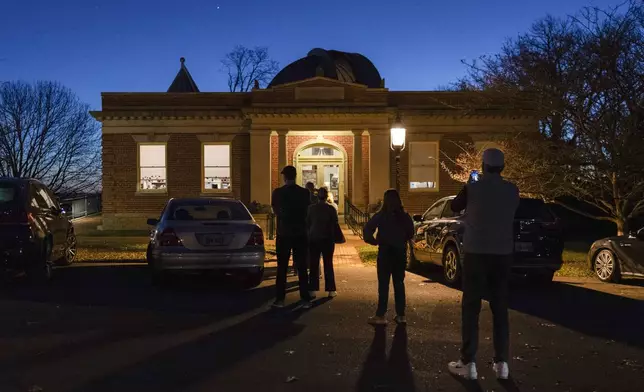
<point x="207" y="210"/>
<point x="534" y="209"/>
<point x="8" y="193"/>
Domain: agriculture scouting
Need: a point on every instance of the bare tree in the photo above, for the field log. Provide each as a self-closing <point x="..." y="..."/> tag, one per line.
<point x="587" y="74"/>
<point x="47" y="133"/>
<point x="246" y="66"/>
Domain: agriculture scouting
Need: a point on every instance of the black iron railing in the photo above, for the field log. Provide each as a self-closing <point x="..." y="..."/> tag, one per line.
<point x="354" y="217"/>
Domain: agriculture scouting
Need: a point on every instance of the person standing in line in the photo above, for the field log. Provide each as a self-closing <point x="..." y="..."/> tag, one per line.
<point x="290" y="203"/>
<point x="490" y="204"/>
<point x="395" y="229"/>
<point x="321" y="222"/>
<point x="313" y="192"/>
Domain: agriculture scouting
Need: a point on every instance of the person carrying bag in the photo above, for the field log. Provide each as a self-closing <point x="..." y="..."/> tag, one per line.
<point x="322" y="229"/>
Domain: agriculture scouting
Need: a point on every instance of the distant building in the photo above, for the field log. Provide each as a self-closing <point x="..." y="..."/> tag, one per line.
<point x="328" y="114"/>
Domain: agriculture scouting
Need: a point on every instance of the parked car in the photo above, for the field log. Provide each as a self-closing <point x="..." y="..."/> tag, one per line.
<point x="34" y="231"/>
<point x="206" y="235"/>
<point x="538" y="240"/>
<point x="614" y="257"/>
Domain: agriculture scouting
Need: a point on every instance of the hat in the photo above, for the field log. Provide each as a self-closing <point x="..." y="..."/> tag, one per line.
<point x="493" y="157"/>
<point x="289" y="171"/>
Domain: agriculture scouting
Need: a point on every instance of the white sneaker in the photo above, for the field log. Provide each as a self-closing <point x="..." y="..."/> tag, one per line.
<point x="307" y="304"/>
<point x="460" y="369"/>
<point x="502" y="370"/>
<point x="312" y="295"/>
<point x="333" y="294"/>
<point x="278" y="304"/>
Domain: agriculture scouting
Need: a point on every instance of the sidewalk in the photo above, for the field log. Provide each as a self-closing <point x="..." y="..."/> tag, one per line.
<point x="345" y="255"/>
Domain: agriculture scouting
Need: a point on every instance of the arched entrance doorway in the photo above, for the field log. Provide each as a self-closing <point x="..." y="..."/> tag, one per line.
<point x="323" y="164"/>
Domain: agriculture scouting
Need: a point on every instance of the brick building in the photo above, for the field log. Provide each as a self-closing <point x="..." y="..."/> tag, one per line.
<point x="328" y="114"/>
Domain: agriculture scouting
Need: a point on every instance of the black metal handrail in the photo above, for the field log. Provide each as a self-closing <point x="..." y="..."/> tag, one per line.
<point x="354" y="217"/>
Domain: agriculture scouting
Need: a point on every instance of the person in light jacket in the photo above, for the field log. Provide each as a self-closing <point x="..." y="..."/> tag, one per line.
<point x="395" y="229"/>
<point x="321" y="222"/>
<point x="488" y="244"/>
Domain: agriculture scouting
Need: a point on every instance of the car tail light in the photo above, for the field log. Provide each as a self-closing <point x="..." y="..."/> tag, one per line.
<point x="168" y="237"/>
<point x="256" y="238"/>
<point x="21" y="218"/>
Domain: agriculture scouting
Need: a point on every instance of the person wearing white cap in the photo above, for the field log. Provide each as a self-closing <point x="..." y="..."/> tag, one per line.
<point x="490" y="204"/>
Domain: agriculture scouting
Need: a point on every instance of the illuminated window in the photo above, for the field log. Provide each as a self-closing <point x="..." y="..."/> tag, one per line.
<point x="152" y="167"/>
<point x="423" y="166"/>
<point x="216" y="167"/>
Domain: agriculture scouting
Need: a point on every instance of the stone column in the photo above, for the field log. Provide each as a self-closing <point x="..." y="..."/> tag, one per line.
<point x="379" y="169"/>
<point x="357" y="194"/>
<point x="281" y="149"/>
<point x="260" y="165"/>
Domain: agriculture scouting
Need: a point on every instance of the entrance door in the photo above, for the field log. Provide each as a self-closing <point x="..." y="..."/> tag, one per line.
<point x="323" y="170"/>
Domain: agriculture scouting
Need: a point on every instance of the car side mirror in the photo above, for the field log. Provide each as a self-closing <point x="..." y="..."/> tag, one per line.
<point x="153" y="222"/>
<point x="418" y="218"/>
<point x="640" y="234"/>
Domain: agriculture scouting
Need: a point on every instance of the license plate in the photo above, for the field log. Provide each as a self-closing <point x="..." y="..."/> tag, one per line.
<point x="523" y="247"/>
<point x="214" y="239"/>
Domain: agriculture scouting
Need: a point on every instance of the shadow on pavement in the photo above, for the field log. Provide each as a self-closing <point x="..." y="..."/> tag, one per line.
<point x="574" y="306"/>
<point x="380" y="374"/>
<point x="194" y="363"/>
<point x="120" y="303"/>
<point x="130" y="286"/>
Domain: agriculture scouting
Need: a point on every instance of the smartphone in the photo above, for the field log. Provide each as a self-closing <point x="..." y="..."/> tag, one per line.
<point x="474" y="176"/>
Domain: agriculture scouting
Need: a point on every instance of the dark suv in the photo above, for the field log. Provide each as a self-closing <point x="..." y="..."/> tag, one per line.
<point x="538" y="244"/>
<point x="34" y="231"/>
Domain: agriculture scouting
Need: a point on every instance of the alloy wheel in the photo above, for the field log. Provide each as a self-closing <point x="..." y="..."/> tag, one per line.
<point x="70" y="249"/>
<point x="450" y="265"/>
<point x="604" y="264"/>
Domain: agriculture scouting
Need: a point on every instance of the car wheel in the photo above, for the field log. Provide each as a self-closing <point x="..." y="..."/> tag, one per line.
<point x="451" y="265"/>
<point x="606" y="266"/>
<point x="70" y="250"/>
<point x="412" y="261"/>
<point x="254" y="279"/>
<point x="41" y="271"/>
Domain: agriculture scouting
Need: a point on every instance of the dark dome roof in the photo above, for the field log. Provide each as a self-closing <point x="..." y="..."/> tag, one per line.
<point x="343" y="66"/>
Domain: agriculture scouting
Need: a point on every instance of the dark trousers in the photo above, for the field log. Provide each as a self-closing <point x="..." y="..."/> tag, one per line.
<point x="391" y="264"/>
<point x="324" y="248"/>
<point x="483" y="275"/>
<point x="283" y="247"/>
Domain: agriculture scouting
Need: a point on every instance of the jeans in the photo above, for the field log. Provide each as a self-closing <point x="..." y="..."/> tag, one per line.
<point x="283" y="247"/>
<point x="391" y="263"/>
<point x="482" y="274"/>
<point x="325" y="248"/>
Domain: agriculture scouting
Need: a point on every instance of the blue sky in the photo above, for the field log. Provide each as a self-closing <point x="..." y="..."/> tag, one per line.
<point x="135" y="45"/>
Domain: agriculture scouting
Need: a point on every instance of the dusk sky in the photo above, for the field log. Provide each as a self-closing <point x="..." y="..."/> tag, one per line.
<point x="135" y="45"/>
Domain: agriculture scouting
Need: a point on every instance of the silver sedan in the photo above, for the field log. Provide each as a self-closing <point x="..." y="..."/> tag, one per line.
<point x="206" y="234"/>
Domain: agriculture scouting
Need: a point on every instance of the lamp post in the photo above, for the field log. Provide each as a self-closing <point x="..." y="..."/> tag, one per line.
<point x="398" y="134"/>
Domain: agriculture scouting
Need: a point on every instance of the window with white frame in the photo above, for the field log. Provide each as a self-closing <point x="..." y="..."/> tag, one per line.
<point x="216" y="167"/>
<point x="152" y="167"/>
<point x="423" y="166"/>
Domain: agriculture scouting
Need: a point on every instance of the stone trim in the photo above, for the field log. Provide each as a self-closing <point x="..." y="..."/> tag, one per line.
<point x="151" y="138"/>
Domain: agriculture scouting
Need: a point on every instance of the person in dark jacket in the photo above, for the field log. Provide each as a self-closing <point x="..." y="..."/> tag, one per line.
<point x="395" y="229"/>
<point x="311" y="188"/>
<point x="290" y="203"/>
<point x="321" y="222"/>
<point x="488" y="245"/>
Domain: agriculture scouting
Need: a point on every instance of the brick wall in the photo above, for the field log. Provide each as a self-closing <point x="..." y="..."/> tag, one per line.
<point x="275" y="170"/>
<point x="124" y="208"/>
<point x="418" y="202"/>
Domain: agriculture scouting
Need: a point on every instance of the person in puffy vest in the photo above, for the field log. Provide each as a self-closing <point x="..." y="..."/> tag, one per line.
<point x="490" y="204"/>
